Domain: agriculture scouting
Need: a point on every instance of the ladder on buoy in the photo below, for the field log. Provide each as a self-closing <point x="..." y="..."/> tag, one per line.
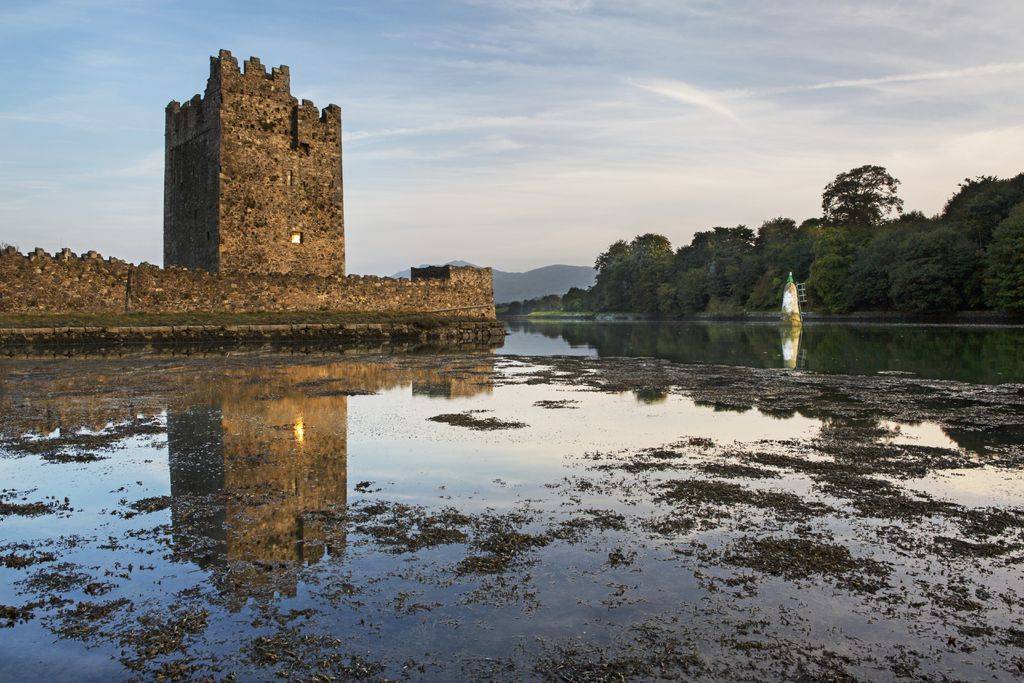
<point x="801" y="292"/>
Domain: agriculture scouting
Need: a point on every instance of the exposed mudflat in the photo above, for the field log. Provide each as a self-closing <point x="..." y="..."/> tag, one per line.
<point x="437" y="517"/>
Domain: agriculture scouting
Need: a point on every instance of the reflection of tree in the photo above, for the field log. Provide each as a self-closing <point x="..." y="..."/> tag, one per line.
<point x="730" y="407"/>
<point x="729" y="344"/>
<point x="979" y="355"/>
<point x="982" y="440"/>
<point x="969" y="354"/>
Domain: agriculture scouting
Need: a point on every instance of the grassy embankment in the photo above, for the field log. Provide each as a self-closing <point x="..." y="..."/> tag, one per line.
<point x="562" y="315"/>
<point x="503" y="310"/>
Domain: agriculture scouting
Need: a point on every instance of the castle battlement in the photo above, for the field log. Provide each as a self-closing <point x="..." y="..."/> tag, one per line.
<point x="189" y="116"/>
<point x="253" y="71"/>
<point x="184" y="121"/>
<point x="11" y="253"/>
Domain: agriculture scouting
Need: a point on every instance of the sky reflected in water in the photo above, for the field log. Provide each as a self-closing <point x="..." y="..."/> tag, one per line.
<point x="290" y="484"/>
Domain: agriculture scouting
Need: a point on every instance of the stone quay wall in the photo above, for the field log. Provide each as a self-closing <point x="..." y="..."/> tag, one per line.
<point x="39" y="282"/>
<point x="384" y="337"/>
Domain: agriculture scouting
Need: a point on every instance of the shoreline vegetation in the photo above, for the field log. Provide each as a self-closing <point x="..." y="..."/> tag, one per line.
<point x="864" y="256"/>
<point x="957" y="319"/>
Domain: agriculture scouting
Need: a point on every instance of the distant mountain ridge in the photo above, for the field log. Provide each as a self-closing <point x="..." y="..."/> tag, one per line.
<point x="556" y="279"/>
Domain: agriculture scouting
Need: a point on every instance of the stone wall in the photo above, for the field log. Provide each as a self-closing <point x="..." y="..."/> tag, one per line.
<point x="66" y="283"/>
<point x="214" y="339"/>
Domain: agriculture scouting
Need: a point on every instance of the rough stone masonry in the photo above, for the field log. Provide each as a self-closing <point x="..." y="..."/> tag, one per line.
<point x="253" y="221"/>
<point x="252" y="179"/>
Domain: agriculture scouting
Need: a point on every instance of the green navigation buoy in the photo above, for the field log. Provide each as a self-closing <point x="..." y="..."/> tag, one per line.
<point x="791" y="303"/>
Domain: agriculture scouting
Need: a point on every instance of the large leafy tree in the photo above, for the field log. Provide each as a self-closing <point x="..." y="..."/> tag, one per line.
<point x="868" y="287"/>
<point x="780" y="248"/>
<point x="1004" y="268"/>
<point x="576" y="300"/>
<point x="931" y="272"/>
<point x="650" y="257"/>
<point x="629" y="275"/>
<point x="690" y="289"/>
<point x="863" y="196"/>
<point x="981" y="204"/>
<point x="831" y="271"/>
<point x="975" y="210"/>
<point x="869" y="283"/>
<point x="723" y="256"/>
<point x="609" y="292"/>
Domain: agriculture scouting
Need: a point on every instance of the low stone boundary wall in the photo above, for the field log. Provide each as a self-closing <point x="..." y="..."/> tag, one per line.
<point x="343" y="334"/>
<point x="67" y="283"/>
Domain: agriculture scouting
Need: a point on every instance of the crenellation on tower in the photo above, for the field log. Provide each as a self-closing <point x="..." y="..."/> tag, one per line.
<point x="253" y="66"/>
<point x="184" y="118"/>
<point x="281" y="77"/>
<point x="223" y="62"/>
<point x="253" y="179"/>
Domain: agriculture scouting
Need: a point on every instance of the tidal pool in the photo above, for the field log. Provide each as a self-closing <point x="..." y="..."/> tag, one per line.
<point x="469" y="515"/>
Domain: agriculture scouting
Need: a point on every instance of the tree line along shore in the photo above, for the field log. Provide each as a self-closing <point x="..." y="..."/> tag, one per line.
<point x="863" y="254"/>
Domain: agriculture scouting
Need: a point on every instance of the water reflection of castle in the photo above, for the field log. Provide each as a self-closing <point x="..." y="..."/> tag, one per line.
<point x="258" y="452"/>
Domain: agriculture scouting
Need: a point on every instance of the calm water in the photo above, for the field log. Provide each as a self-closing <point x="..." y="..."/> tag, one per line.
<point x="296" y="515"/>
<point x="984" y="355"/>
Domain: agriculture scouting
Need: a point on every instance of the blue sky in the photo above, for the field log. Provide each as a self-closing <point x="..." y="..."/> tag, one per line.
<point x="522" y="132"/>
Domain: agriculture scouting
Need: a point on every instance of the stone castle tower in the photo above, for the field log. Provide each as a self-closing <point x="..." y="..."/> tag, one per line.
<point x="252" y="177"/>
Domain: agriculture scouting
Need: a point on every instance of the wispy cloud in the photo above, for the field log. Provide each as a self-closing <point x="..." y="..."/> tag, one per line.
<point x="48" y="118"/>
<point x="541" y="5"/>
<point x="688" y="94"/>
<point x="489" y="146"/>
<point x="69" y="119"/>
<point x="942" y="75"/>
<point x="485" y="129"/>
<point x="149" y="166"/>
<point x="719" y="102"/>
<point x="447" y="126"/>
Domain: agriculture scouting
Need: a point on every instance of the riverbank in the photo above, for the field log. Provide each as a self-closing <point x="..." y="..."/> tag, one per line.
<point x="345" y="330"/>
<point x="554" y="315"/>
<point x="963" y="318"/>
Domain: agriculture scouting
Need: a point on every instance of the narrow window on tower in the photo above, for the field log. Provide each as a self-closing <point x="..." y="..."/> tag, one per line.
<point x="296" y="237"/>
